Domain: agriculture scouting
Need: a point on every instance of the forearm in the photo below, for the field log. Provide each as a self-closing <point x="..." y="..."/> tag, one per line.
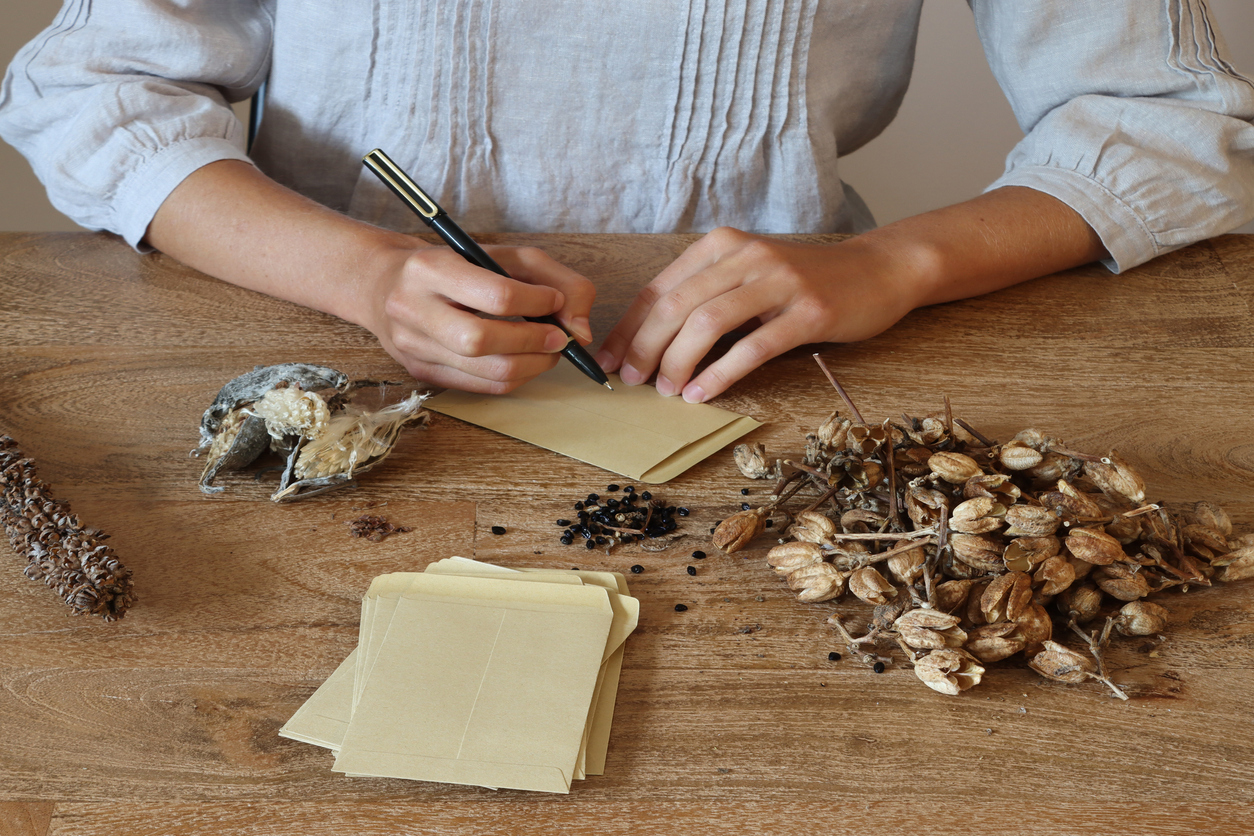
<point x="998" y="239"/>
<point x="232" y="222"/>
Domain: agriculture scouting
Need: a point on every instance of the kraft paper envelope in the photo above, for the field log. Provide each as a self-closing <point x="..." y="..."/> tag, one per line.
<point x="632" y="431"/>
<point x="474" y="686"/>
<point x="626" y="616"/>
<point x="324" y="716"/>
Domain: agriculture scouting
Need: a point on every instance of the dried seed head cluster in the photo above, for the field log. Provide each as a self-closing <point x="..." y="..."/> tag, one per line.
<point x="67" y="557"/>
<point x="982" y="550"/>
<point x="303" y="413"/>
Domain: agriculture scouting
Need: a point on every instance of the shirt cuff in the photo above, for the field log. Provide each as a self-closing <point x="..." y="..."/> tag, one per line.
<point x="145" y="188"/>
<point x="1125" y="236"/>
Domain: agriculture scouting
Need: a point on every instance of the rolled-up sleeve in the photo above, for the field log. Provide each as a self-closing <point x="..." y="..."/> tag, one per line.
<point x="118" y="101"/>
<point x="1132" y="116"/>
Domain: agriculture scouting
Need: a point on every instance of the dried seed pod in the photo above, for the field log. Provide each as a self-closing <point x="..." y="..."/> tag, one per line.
<point x="819" y="585"/>
<point x="1116" y="478"/>
<point x="292" y="411"/>
<point x="252" y="386"/>
<point x="930" y="431"/>
<point x="860" y="520"/>
<point x="1080" y="601"/>
<point x="787" y="557"/>
<point x="949" y="671"/>
<point x="955" y="468"/>
<point x="1095" y="546"/>
<point x="1054" y="466"/>
<point x="1034" y="627"/>
<point x="907" y="567"/>
<point x="833" y="431"/>
<point x="241" y="438"/>
<point x="927" y="629"/>
<point x="812" y="527"/>
<point x="1018" y="456"/>
<point x="1006" y="597"/>
<point x="1141" y="618"/>
<point x="751" y="459"/>
<point x="993" y="485"/>
<point x="979" y="551"/>
<point x="952" y="595"/>
<point x="1197" y="534"/>
<point x="869" y="585"/>
<point x="735" y="532"/>
<point x="1054" y="575"/>
<point x="1061" y="664"/>
<point x="1211" y="515"/>
<point x="912" y="461"/>
<point x="1030" y="521"/>
<point x="1025" y="552"/>
<point x="865" y="440"/>
<point x="804" y="576"/>
<point x="1119" y="580"/>
<point x="977" y="516"/>
<point x="923" y="505"/>
<point x="994" y="642"/>
<point x="975" y="613"/>
<point x="1237" y="565"/>
<point x="1125" y="529"/>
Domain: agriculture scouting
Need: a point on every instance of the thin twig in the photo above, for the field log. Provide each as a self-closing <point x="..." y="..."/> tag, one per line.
<point x="987" y="442"/>
<point x="1095" y="645"/>
<point x="840" y="390"/>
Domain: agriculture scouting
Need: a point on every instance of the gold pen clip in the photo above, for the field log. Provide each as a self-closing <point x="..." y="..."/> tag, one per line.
<point x="398" y="181"/>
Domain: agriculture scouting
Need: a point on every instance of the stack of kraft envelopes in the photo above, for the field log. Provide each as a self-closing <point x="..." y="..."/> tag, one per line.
<point x="470" y="673"/>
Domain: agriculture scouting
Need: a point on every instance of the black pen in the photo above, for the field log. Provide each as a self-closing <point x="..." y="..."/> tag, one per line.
<point x="415" y="198"/>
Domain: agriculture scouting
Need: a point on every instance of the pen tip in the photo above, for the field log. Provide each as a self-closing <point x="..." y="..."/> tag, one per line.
<point x="607" y="386"/>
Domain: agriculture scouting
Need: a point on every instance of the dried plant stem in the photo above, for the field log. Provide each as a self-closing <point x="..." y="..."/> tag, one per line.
<point x="1095" y="647"/>
<point x="987" y="442"/>
<point x="840" y="390"/>
<point x="890" y="535"/>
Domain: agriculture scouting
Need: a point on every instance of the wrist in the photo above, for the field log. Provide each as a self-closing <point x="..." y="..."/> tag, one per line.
<point x="910" y="268"/>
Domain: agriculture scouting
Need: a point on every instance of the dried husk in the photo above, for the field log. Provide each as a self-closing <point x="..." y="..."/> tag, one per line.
<point x="1019" y="456"/>
<point x="954" y="467"/>
<point x="1061" y="664"/>
<point x="949" y="671"/>
<point x="927" y="629"/>
<point x="994" y="642"/>
<point x="869" y="585"/>
<point x="738" y="530"/>
<point x="1093" y="545"/>
<point x="751" y="459"/>
<point x="812" y="527"/>
<point x="787" y="557"/>
<point x="1030" y="521"/>
<point x="1141" y="618"/>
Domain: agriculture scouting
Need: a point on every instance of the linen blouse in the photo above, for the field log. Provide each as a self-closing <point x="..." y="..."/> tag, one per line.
<point x="649" y="116"/>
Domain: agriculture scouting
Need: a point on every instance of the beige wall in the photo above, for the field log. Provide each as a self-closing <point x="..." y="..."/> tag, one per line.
<point x="949" y="140"/>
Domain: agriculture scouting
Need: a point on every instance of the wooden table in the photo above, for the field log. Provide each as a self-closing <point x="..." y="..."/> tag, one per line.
<point x="165" y="723"/>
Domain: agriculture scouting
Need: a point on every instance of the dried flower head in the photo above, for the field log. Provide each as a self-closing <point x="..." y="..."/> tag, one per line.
<point x="788" y="557"/>
<point x="870" y="586"/>
<point x="751" y="459"/>
<point x="735" y="532"/>
<point x="927" y="629"/>
<point x="994" y="642"/>
<point x="1116" y="478"/>
<point x="954" y="467"/>
<point x="1019" y="456"/>
<point x="1141" y="618"/>
<point x="812" y="527"/>
<point x="1093" y="545"/>
<point x="1061" y="664"/>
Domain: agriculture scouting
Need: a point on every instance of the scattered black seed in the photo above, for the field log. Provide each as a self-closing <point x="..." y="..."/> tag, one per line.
<point x="833" y="656"/>
<point x="878" y="667"/>
<point x="770" y="523"/>
<point x="593" y="497"/>
<point x="683" y="512"/>
<point x="498" y="529"/>
<point x="692" y="570"/>
<point x="681" y="608"/>
<point x="699" y="555"/>
<point x="611" y="488"/>
<point x="590" y="545"/>
<point x="600" y="541"/>
<point x="646" y="496"/>
<point x="612" y="504"/>
<point x="578" y="506"/>
<point x="629" y="489"/>
<point x="744" y="491"/>
<point x="563" y="523"/>
<point x="745" y="506"/>
<point x="637" y="569"/>
<point x="567" y="539"/>
<point x="711" y="531"/>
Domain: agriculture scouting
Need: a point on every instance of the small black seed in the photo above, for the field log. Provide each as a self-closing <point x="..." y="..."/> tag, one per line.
<point x="600" y="541"/>
<point x="613" y="504"/>
<point x="498" y="529"/>
<point x="637" y="569"/>
<point x="589" y="545"/>
<point x="744" y="491"/>
<point x="683" y="512"/>
<point x="692" y="570"/>
<point x="629" y="489"/>
<point x="770" y="523"/>
<point x="744" y="506"/>
<point x="611" y="488"/>
<point x="567" y="539"/>
<point x="578" y="506"/>
<point x="699" y="555"/>
<point x="593" y="497"/>
<point x="671" y="525"/>
<point x="878" y="667"/>
<point x="711" y="531"/>
<point x="681" y="608"/>
<point x="646" y="496"/>
<point x="563" y="523"/>
<point x="833" y="656"/>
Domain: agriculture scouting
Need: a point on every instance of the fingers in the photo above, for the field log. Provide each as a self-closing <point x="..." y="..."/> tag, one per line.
<point x="536" y="267"/>
<point x="769" y="340"/>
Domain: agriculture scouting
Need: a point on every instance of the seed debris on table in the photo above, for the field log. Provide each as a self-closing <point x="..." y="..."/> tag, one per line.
<point x="972" y="551"/>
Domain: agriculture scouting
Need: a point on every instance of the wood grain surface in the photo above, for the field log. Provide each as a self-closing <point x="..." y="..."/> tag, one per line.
<point x="730" y="717"/>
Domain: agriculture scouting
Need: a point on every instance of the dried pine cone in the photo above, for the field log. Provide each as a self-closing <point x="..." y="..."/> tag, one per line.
<point x="65" y="556"/>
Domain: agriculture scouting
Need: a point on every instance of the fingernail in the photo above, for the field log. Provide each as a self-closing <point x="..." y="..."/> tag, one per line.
<point x="665" y="387"/>
<point x="581" y="329"/>
<point x="605" y="360"/>
<point x="555" y="341"/>
<point x="693" y="393"/>
<point x="630" y="375"/>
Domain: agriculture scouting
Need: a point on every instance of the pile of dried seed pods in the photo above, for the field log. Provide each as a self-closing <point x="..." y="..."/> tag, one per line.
<point x="70" y="559"/>
<point x="972" y="551"/>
